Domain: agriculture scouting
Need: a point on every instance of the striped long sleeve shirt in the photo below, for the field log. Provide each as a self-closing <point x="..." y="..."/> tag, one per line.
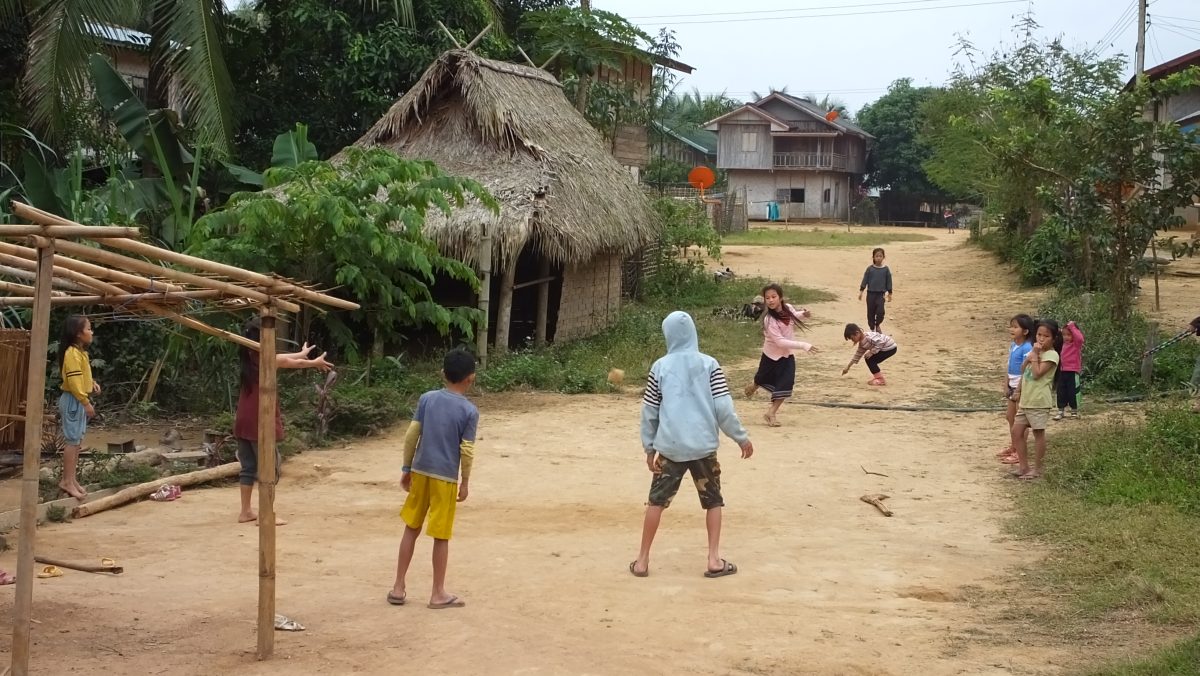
<point x="871" y="344"/>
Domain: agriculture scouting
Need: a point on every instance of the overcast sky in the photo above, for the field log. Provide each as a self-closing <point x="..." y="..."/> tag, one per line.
<point x="753" y="45"/>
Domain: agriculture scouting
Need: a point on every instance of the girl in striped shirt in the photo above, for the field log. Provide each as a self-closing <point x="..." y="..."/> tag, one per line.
<point x="876" y="347"/>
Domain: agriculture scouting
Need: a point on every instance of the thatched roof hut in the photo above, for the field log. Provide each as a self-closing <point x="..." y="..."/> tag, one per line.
<point x="510" y="128"/>
<point x="569" y="213"/>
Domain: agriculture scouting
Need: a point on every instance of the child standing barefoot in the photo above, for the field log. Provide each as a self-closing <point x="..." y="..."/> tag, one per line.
<point x="1037" y="380"/>
<point x="876" y="347"/>
<point x="876" y="281"/>
<point x="1068" y="371"/>
<point x="75" y="404"/>
<point x="1020" y="330"/>
<point x="245" y="423"/>
<point x="777" y="366"/>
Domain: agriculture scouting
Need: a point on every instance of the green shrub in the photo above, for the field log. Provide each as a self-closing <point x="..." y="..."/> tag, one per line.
<point x="1046" y="256"/>
<point x="359" y="409"/>
<point x="1180" y="659"/>
<point x="1112" y="352"/>
<point x="1157" y="462"/>
<point x="57" y="514"/>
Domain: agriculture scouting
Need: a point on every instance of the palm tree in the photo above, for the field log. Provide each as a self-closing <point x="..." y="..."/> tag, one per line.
<point x="185" y="47"/>
<point x="828" y="103"/>
<point x="770" y="90"/>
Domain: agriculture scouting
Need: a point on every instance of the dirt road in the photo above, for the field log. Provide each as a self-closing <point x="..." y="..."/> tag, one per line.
<point x="827" y="585"/>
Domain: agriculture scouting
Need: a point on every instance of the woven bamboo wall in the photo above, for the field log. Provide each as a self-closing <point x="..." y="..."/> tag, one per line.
<point x="14" y="375"/>
<point x="591" y="298"/>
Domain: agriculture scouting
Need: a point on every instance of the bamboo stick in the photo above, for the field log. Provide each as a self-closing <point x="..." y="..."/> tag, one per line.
<point x="132" y="493"/>
<point x="267" y="398"/>
<point x="134" y="299"/>
<point x="272" y="285"/>
<point x="115" y="259"/>
<point x="95" y="271"/>
<point x="84" y="231"/>
<point x="35" y="400"/>
<point x="81" y="567"/>
<point x="23" y="271"/>
<point x="150" y="251"/>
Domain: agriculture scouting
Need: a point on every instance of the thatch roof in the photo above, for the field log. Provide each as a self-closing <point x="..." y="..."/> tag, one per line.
<point x="510" y="128"/>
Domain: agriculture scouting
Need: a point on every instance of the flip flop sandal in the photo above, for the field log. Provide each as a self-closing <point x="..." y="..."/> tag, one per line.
<point x="1010" y="460"/>
<point x="454" y="602"/>
<point x="1030" y="477"/>
<point x="6" y="579"/>
<point x="397" y="600"/>
<point x="108" y="563"/>
<point x="284" y="623"/>
<point x="727" y="569"/>
<point x="50" y="571"/>
<point x="644" y="573"/>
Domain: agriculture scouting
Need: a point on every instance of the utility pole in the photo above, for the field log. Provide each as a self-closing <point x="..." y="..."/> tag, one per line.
<point x="1140" y="59"/>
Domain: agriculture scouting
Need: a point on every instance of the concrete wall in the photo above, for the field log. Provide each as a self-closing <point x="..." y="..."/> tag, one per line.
<point x="591" y="298"/>
<point x="1186" y="103"/>
<point x="763" y="186"/>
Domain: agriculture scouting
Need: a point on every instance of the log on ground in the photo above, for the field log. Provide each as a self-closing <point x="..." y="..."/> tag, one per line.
<point x="142" y="490"/>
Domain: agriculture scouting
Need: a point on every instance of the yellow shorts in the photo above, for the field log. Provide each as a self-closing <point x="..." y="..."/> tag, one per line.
<point x="434" y="497"/>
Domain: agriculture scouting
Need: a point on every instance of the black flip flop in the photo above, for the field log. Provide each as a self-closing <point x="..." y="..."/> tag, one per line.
<point x="727" y="569"/>
<point x="644" y="573"/>
<point x="397" y="600"/>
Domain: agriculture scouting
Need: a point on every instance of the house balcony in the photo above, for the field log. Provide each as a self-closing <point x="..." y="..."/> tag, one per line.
<point x="815" y="161"/>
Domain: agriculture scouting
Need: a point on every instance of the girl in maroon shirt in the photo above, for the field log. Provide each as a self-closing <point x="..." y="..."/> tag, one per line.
<point x="245" y="425"/>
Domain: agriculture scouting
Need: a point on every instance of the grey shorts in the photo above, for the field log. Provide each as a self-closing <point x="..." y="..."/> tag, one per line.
<point x="247" y="454"/>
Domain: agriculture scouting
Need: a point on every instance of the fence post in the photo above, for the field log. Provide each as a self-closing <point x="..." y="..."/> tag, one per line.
<point x="1148" y="360"/>
<point x="1196" y="373"/>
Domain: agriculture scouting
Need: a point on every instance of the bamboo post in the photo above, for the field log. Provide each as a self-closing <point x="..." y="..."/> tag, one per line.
<point x="504" y="315"/>
<point x="485" y="293"/>
<point x="267" y="398"/>
<point x="1154" y="254"/>
<point x="1148" y="360"/>
<point x="543" y="302"/>
<point x="35" y="400"/>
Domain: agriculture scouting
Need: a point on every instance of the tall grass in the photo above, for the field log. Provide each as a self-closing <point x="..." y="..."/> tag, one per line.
<point x="818" y="238"/>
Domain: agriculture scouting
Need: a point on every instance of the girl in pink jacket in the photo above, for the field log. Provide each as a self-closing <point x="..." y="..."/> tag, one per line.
<point x="1068" y="372"/>
<point x="777" y="366"/>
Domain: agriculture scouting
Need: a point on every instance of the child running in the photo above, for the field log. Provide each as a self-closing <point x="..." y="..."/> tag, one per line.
<point x="245" y="422"/>
<point x="876" y="281"/>
<point x="876" y="347"/>
<point x="75" y="403"/>
<point x="777" y="366"/>
<point x="686" y="406"/>
<point x="1020" y="330"/>
<point x="1036" y="398"/>
<point x="1068" y="371"/>
<point x="439" y="448"/>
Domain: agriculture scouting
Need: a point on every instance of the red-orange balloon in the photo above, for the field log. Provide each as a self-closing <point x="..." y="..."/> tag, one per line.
<point x="702" y="178"/>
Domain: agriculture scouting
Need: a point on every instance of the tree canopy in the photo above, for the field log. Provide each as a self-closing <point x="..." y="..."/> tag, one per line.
<point x="897" y="122"/>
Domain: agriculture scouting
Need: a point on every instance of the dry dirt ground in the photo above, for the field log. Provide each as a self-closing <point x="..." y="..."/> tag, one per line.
<point x="826" y="584"/>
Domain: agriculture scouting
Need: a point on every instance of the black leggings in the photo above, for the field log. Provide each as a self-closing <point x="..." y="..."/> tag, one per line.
<point x="875" y="306"/>
<point x="878" y="358"/>
<point x="1068" y="389"/>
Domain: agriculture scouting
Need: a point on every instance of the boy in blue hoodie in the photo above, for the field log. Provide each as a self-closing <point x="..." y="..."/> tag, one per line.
<point x="686" y="406"/>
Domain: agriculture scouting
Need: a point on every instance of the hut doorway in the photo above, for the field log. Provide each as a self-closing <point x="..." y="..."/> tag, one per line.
<point x="533" y="274"/>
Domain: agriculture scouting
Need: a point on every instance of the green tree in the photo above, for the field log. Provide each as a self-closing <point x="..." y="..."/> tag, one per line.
<point x="327" y="224"/>
<point x="897" y="120"/>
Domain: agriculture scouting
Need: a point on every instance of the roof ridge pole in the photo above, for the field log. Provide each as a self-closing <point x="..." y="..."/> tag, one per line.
<point x="454" y="40"/>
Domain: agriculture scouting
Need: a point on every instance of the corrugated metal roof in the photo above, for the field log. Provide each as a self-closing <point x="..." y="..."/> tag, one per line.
<point x="704" y="141"/>
<point x="816" y="110"/>
<point x="119" y="35"/>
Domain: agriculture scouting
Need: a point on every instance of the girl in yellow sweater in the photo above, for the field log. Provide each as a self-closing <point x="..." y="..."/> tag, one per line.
<point x="75" y="405"/>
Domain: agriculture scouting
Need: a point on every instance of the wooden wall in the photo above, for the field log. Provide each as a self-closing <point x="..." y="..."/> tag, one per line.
<point x="631" y="146"/>
<point x="729" y="150"/>
<point x="14" y="365"/>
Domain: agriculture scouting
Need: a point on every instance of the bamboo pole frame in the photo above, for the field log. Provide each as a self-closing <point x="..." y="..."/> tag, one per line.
<point x="34" y="409"/>
<point x="267" y="400"/>
<point x="49" y="255"/>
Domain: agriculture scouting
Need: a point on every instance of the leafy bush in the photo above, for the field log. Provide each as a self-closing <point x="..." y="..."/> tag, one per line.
<point x="1155" y="462"/>
<point x="1046" y="256"/>
<point x="1112" y="351"/>
<point x="360" y="410"/>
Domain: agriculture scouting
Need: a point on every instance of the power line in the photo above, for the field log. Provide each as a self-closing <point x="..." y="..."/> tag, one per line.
<point x="1187" y="29"/>
<point x="1111" y="33"/>
<point x="777" y="11"/>
<point x="1178" y="18"/>
<point x="1112" y="41"/>
<point x="1185" y="36"/>
<point x="840" y="14"/>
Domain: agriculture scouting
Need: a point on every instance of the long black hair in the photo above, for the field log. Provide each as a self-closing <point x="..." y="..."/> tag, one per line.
<point x="1026" y="323"/>
<point x="74" y="326"/>
<point x="252" y="330"/>
<point x="782" y="314"/>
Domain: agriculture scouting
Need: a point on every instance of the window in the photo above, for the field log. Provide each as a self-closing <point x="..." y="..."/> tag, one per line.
<point x="139" y="85"/>
<point x="749" y="142"/>
<point x="793" y="195"/>
<point x="825" y="198"/>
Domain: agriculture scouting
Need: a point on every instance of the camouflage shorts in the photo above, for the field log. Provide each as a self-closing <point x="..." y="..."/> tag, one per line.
<point x="706" y="474"/>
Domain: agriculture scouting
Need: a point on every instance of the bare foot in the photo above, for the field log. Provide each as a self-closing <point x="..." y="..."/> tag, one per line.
<point x="279" y="522"/>
<point x="750" y="390"/>
<point x="73" y="490"/>
<point x="770" y="420"/>
<point x="247" y="517"/>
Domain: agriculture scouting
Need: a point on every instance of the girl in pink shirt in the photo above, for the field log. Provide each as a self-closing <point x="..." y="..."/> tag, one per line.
<point x="1068" y="371"/>
<point x="777" y="366"/>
